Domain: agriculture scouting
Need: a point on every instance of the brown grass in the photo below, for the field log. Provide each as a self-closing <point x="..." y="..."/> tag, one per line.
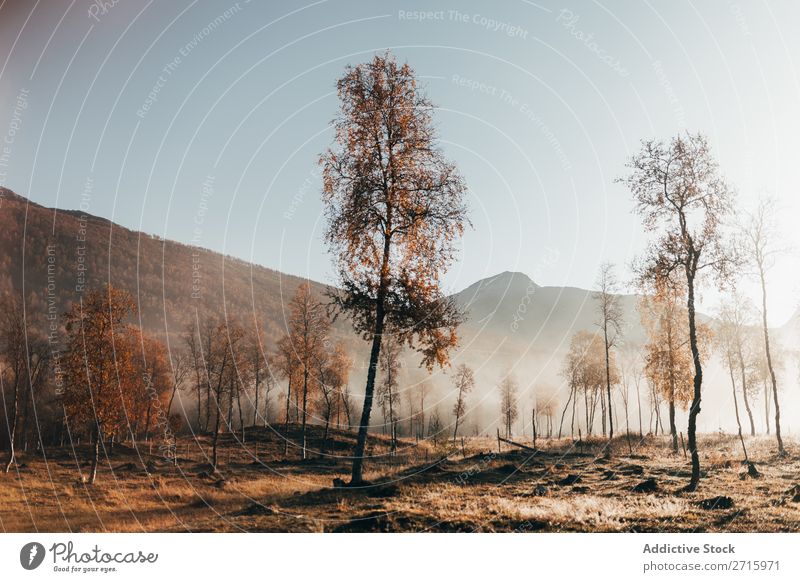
<point x="423" y="488"/>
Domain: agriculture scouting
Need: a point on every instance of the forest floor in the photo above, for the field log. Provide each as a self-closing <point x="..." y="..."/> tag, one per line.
<point x="589" y="486"/>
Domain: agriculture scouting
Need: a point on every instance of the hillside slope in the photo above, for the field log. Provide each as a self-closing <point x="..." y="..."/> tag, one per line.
<point x="55" y="253"/>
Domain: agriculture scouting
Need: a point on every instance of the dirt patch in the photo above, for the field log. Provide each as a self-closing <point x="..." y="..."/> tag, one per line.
<point x="646" y="486"/>
<point x="718" y="502"/>
<point x="569" y="480"/>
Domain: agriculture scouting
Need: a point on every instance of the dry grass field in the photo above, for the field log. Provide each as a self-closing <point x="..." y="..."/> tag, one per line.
<point x="563" y="486"/>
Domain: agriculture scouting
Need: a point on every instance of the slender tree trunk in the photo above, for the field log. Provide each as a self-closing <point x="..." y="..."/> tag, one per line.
<point x="652" y="414"/>
<point x="627" y="420"/>
<point x="229" y="421"/>
<point x="768" y="353"/>
<point x="305" y="402"/>
<point x="736" y="407"/>
<point x="586" y="409"/>
<point x="147" y="420"/>
<point x="347" y="415"/>
<point x="694" y="409"/>
<point x="608" y="385"/>
<point x="392" y="434"/>
<point x="241" y="415"/>
<point x="255" y="407"/>
<point x="266" y="404"/>
<point x="215" y="440"/>
<point x="174" y="443"/>
<point x="572" y="422"/>
<point x="639" y="405"/>
<point x="26" y="414"/>
<point x="199" y="404"/>
<point x="171" y="399"/>
<point x="743" y="371"/>
<point x="328" y="416"/>
<point x="363" y="428"/>
<point x="421" y="423"/>
<point x="286" y="421"/>
<point x="98" y="436"/>
<point x="673" y="431"/>
<point x="208" y="407"/>
<point x="12" y="436"/>
<point x="603" y="411"/>
<point x="564" y="412"/>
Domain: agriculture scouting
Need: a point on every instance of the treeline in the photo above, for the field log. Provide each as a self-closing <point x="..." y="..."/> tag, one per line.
<point x="647" y="378"/>
<point x="96" y="377"/>
<point x="100" y="379"/>
<point x="697" y="238"/>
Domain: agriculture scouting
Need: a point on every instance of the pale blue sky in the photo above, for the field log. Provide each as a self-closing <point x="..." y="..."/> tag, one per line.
<point x="540" y="105"/>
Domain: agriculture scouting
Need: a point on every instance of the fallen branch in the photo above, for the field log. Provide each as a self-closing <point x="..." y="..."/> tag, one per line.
<point x="526" y="447"/>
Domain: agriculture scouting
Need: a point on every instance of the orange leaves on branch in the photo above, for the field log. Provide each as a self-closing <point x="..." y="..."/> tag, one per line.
<point x="99" y="362"/>
<point x="395" y="206"/>
<point x="668" y="358"/>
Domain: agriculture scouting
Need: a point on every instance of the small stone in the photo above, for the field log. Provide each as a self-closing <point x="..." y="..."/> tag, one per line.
<point x="540" y="491"/>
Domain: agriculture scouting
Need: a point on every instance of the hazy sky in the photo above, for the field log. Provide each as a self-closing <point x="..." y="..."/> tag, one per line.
<point x="202" y="121"/>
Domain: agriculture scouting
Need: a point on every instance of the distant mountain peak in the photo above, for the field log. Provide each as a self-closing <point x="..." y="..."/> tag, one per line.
<point x="505" y="280"/>
<point x="488" y="294"/>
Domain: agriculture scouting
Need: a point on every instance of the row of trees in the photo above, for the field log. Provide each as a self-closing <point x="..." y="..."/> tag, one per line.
<point x="688" y="207"/>
<point x="25" y="359"/>
<point x="120" y="384"/>
<point x="675" y="341"/>
<point x="112" y="382"/>
<point x="117" y="381"/>
<point x="234" y="374"/>
<point x="739" y="343"/>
